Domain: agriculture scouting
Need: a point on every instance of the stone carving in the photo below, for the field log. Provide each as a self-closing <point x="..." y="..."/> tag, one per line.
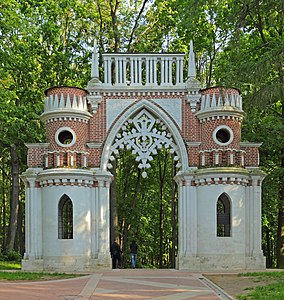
<point x="144" y="134"/>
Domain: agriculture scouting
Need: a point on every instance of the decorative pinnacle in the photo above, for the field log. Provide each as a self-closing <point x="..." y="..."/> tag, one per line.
<point x="95" y="62"/>
<point x="191" y="62"/>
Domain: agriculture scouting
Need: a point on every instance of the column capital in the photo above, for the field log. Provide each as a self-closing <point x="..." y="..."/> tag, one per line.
<point x="104" y="178"/>
<point x="30" y="177"/>
<point x="186" y="176"/>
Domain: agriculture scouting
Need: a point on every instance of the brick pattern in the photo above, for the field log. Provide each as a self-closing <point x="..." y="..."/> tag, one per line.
<point x="207" y="129"/>
<point x="208" y="153"/>
<point x="251" y="157"/>
<point x="220" y="90"/>
<point x="35" y="157"/>
<point x="65" y="90"/>
<point x="80" y="129"/>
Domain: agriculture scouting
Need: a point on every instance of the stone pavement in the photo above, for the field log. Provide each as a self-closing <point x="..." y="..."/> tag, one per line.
<point x="118" y="284"/>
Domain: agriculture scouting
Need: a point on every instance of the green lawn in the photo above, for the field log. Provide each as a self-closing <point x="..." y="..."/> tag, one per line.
<point x="12" y="271"/>
<point x="273" y="290"/>
<point x="19" y="275"/>
<point x="10" y="265"/>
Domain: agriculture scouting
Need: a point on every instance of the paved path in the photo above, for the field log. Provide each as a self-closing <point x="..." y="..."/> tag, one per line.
<point x="116" y="285"/>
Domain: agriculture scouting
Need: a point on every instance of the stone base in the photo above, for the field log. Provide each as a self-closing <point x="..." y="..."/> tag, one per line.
<point x="67" y="264"/>
<point x="32" y="264"/>
<point x="224" y="262"/>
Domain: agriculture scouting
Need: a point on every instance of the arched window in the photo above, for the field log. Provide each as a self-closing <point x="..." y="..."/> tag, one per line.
<point x="223" y="210"/>
<point x="65" y="218"/>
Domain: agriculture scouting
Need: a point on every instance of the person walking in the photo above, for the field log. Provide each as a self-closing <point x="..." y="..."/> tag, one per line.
<point x="133" y="253"/>
<point x="115" y="254"/>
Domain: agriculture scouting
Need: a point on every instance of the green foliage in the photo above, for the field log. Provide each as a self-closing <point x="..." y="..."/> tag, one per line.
<point x="10" y="256"/>
<point x="45" y="43"/>
<point x="10" y="265"/>
<point x="140" y="202"/>
<point x="273" y="289"/>
<point x="18" y="275"/>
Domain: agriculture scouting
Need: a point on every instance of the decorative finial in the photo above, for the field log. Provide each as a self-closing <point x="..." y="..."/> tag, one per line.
<point x="191" y="61"/>
<point x="95" y="62"/>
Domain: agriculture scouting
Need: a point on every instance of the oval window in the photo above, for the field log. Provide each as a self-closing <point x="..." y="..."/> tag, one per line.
<point x="65" y="137"/>
<point x="223" y="135"/>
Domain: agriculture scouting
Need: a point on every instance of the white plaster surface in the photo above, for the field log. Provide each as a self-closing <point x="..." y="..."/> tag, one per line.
<point x="173" y="107"/>
<point x="114" y="107"/>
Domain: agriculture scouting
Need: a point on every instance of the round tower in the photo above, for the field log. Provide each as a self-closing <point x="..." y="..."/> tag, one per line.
<point x="66" y="118"/>
<point x="220" y="115"/>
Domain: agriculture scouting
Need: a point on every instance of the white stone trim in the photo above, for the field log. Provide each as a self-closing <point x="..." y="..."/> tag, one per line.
<point x="65" y="129"/>
<point x="152" y="108"/>
<point x="227" y="128"/>
<point x="247" y="144"/>
<point x="37" y="145"/>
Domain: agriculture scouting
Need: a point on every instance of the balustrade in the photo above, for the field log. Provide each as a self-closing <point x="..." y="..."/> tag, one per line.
<point x="221" y="157"/>
<point x="143" y="69"/>
<point x="57" y="159"/>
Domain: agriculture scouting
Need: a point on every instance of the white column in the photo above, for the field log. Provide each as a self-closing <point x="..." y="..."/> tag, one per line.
<point x="46" y="160"/>
<point x="170" y="71"/>
<point x="162" y="71"/>
<point x="105" y="72"/>
<point x="256" y="210"/>
<point x="94" y="222"/>
<point x="116" y="71"/>
<point x="148" y="71"/>
<point x="151" y="71"/>
<point x="139" y="71"/>
<point x="120" y="72"/>
<point x="109" y="63"/>
<point x="166" y="70"/>
<point x="27" y="220"/>
<point x="131" y="71"/>
<point x="181" y="71"/>
<point x="177" y="71"/>
<point x="124" y="64"/>
<point x="103" y="209"/>
<point x="181" y="209"/>
<point x="190" y="216"/>
<point x="187" y="215"/>
<point x="33" y="220"/>
<point x="155" y="70"/>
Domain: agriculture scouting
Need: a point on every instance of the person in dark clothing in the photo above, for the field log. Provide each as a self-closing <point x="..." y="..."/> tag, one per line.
<point x="133" y="253"/>
<point x="115" y="254"/>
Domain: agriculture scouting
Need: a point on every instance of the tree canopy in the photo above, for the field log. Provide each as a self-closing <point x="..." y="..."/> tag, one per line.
<point x="46" y="43"/>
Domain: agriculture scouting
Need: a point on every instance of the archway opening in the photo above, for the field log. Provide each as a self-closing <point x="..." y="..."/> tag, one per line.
<point x="143" y="193"/>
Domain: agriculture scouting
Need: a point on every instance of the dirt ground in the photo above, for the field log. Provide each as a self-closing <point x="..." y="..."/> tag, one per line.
<point x="235" y="285"/>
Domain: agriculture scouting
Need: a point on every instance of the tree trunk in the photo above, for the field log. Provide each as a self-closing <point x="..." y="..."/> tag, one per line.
<point x="113" y="206"/>
<point x="14" y="200"/>
<point x="174" y="220"/>
<point x="268" y="249"/>
<point x="162" y="174"/>
<point x="21" y="236"/>
<point x="280" y="229"/>
<point x="4" y="199"/>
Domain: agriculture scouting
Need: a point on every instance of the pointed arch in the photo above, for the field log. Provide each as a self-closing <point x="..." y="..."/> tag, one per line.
<point x="223" y="215"/>
<point x="65" y="218"/>
<point x="154" y="109"/>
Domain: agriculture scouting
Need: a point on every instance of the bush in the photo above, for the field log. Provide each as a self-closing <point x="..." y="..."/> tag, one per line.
<point x="10" y="256"/>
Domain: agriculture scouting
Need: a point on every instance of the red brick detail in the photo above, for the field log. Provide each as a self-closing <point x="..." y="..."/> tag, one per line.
<point x="208" y="127"/>
<point x="251" y="156"/>
<point x="65" y="90"/>
<point x="220" y="90"/>
<point x="35" y="157"/>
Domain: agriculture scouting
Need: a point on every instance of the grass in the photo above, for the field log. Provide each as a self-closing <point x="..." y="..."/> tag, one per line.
<point x="10" y="265"/>
<point x="19" y="275"/>
<point x="273" y="288"/>
<point x="10" y="270"/>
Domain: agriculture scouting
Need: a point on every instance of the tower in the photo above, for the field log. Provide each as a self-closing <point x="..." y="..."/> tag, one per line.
<point x="68" y="178"/>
